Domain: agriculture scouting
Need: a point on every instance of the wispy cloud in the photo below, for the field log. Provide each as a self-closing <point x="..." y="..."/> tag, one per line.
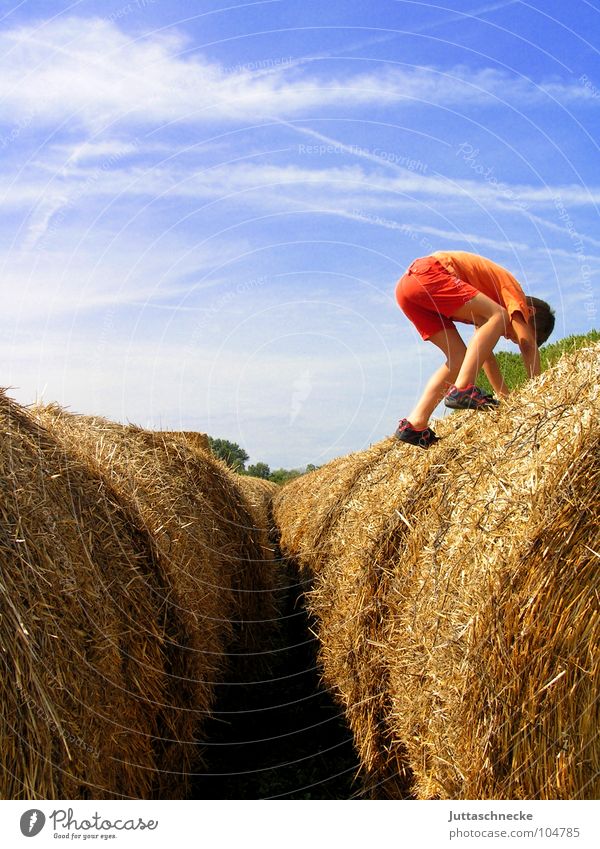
<point x="369" y="193"/>
<point x="109" y="76"/>
<point x="44" y="284"/>
<point x="115" y="82"/>
<point x="225" y="180"/>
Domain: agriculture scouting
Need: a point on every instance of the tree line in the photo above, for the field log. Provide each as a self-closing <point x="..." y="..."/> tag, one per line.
<point x="236" y="458"/>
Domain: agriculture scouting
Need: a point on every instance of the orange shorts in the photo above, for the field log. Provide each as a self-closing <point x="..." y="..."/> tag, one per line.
<point x="428" y="294"/>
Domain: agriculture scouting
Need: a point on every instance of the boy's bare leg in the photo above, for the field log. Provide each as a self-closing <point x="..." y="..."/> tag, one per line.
<point x="450" y="342"/>
<point x="492" y="322"/>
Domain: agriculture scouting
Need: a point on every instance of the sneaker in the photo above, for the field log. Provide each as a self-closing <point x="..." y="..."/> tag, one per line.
<point x="470" y="398"/>
<point x="423" y="438"/>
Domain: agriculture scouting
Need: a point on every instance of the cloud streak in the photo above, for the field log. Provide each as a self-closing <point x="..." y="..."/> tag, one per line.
<point x="261" y="183"/>
<point x="109" y="77"/>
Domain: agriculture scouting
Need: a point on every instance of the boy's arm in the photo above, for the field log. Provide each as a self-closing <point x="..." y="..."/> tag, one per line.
<point x="527" y="343"/>
<point x="494" y="375"/>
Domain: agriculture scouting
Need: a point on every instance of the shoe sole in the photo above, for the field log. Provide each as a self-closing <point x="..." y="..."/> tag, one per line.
<point x="461" y="405"/>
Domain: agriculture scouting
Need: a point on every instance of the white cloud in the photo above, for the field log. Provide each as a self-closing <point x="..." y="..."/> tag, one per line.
<point x="94" y="73"/>
<point x="89" y="70"/>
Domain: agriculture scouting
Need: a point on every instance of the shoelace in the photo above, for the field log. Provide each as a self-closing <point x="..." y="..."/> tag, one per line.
<point x="475" y="394"/>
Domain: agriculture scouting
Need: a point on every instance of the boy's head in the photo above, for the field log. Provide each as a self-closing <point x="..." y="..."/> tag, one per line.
<point x="542" y="318"/>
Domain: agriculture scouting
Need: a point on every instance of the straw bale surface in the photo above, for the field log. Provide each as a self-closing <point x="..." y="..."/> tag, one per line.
<point x="258" y="494"/>
<point x="220" y="589"/>
<point x="456" y="594"/>
<point x="80" y="627"/>
<point x="195" y="439"/>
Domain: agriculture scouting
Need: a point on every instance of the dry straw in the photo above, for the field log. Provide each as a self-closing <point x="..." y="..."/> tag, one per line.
<point x="81" y="630"/>
<point x="456" y="594"/>
<point x="258" y="494"/>
<point x="196" y="440"/>
<point x="218" y="589"/>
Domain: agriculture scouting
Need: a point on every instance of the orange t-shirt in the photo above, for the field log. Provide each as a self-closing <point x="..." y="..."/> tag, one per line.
<point x="487" y="277"/>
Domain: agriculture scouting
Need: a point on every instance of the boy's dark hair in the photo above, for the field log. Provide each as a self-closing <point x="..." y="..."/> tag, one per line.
<point x="543" y="318"/>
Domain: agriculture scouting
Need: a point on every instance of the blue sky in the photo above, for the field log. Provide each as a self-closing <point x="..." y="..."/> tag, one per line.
<point x="205" y="208"/>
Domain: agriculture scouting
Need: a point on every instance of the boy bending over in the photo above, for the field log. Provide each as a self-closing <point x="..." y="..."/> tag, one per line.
<point x="451" y="286"/>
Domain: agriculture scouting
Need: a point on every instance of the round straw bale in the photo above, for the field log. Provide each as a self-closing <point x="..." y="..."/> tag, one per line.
<point x="80" y="627"/>
<point x="262" y="587"/>
<point x="221" y="591"/>
<point x="457" y="607"/>
<point x="503" y="602"/>
<point x="349" y="594"/>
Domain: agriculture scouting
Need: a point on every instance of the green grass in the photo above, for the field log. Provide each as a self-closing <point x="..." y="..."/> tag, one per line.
<point x="511" y="365"/>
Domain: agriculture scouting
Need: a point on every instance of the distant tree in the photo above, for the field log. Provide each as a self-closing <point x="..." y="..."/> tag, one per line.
<point x="284" y="475"/>
<point x="230" y="452"/>
<point x="259" y="470"/>
<point x="310" y="467"/>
